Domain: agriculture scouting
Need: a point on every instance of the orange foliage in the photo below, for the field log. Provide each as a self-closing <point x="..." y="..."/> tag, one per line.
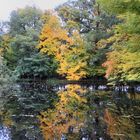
<point x="110" y="121"/>
<point x="109" y="66"/>
<point x="113" y="63"/>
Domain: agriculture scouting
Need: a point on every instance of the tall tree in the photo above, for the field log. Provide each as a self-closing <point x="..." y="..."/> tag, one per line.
<point x="24" y="29"/>
<point x="123" y="61"/>
<point x="67" y="49"/>
<point x="24" y="20"/>
<point x="94" y="24"/>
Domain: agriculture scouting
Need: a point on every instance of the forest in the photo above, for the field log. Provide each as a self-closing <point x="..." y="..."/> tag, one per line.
<point x="71" y="73"/>
<point x="82" y="39"/>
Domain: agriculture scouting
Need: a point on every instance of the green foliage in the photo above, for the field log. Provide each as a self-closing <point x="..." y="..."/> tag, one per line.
<point x="24" y="20"/>
<point x="78" y="41"/>
<point x="20" y="51"/>
<point x="123" y="61"/>
<point x="36" y="66"/>
<point x="5" y="73"/>
<point x="77" y="14"/>
<point x="121" y="6"/>
<point x="94" y="24"/>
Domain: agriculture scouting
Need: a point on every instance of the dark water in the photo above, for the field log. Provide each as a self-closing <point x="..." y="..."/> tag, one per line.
<point x="34" y="111"/>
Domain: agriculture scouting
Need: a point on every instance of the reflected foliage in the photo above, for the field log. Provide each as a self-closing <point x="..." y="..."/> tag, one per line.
<point x="19" y="109"/>
<point x="70" y="111"/>
<point x="68" y="115"/>
<point x="92" y="115"/>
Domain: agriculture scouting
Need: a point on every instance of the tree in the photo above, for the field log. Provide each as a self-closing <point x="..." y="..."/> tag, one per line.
<point x="93" y="24"/>
<point x="68" y="50"/>
<point x="123" y="59"/>
<point x="24" y="20"/>
<point x="37" y="66"/>
<point x="24" y="29"/>
<point x="5" y="73"/>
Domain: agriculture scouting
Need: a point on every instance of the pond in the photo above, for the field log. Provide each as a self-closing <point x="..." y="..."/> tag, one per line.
<point x="79" y="111"/>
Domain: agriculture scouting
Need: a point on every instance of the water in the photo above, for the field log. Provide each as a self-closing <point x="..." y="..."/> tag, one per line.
<point x="4" y="133"/>
<point x="34" y="111"/>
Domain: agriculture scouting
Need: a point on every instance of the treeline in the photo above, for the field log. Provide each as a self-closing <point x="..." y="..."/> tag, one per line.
<point x="79" y="39"/>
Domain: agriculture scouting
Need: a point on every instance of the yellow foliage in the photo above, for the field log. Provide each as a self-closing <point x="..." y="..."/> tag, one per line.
<point x="69" y="51"/>
<point x="56" y="122"/>
<point x="5" y="43"/>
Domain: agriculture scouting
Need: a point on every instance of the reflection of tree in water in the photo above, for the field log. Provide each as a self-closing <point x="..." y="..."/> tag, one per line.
<point x="21" y="105"/>
<point x="68" y="116"/>
<point x="4" y="98"/>
<point x="120" y="116"/>
<point x="120" y="127"/>
<point x="93" y="115"/>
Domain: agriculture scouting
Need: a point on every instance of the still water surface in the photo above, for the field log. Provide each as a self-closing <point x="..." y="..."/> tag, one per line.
<point x="34" y="111"/>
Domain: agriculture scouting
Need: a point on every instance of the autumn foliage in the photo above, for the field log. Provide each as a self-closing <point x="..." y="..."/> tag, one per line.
<point x="67" y="113"/>
<point x="68" y="50"/>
